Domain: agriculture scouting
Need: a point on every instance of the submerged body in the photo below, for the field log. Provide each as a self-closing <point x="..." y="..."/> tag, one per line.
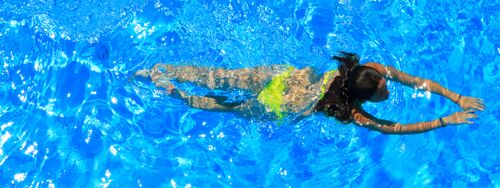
<point x="281" y="90"/>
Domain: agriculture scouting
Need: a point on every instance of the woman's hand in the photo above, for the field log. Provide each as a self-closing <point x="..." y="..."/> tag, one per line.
<point x="471" y="103"/>
<point x="460" y="117"/>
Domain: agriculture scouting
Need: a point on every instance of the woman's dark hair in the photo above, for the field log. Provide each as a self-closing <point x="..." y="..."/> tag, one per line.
<point x="355" y="83"/>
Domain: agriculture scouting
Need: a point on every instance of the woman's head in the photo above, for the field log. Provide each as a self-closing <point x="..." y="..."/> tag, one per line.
<point x="356" y="84"/>
<point x="367" y="84"/>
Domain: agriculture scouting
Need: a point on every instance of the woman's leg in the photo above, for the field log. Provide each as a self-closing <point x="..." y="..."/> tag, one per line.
<point x="253" y="78"/>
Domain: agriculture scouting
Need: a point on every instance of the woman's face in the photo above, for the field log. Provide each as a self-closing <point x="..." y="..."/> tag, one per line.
<point x="382" y="93"/>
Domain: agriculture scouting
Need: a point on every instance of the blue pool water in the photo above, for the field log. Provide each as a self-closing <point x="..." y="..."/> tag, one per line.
<point x="69" y="117"/>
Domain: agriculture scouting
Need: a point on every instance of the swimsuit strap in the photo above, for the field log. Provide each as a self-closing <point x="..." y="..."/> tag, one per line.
<point x="272" y="94"/>
<point x="326" y="78"/>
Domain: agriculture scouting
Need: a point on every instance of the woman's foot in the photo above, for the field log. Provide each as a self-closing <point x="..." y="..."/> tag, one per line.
<point x="163" y="82"/>
<point x="142" y="73"/>
<point x="160" y="80"/>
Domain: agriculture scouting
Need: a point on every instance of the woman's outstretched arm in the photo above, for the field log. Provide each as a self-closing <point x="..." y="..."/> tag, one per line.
<point x="429" y="85"/>
<point x="413" y="81"/>
<point x="366" y="120"/>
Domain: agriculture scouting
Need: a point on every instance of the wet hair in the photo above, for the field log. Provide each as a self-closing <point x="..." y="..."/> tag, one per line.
<point x="355" y="83"/>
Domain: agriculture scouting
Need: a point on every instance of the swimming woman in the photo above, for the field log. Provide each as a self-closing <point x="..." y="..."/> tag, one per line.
<point x="281" y="90"/>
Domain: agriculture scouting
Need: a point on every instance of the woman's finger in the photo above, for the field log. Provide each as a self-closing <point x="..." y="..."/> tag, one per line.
<point x="472" y="105"/>
<point x="482" y="104"/>
<point x="476" y="103"/>
<point x="479" y="102"/>
<point x="470" y="115"/>
<point x="468" y="109"/>
<point x="469" y="122"/>
<point x="477" y="107"/>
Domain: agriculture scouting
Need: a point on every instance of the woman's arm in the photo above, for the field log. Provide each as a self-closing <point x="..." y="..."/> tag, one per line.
<point x="421" y="83"/>
<point x="414" y="81"/>
<point x="362" y="118"/>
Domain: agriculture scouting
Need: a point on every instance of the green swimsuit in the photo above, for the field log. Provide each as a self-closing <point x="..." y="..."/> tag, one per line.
<point x="272" y="94"/>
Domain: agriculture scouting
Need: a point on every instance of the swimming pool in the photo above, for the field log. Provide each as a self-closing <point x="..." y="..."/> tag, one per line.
<point x="70" y="117"/>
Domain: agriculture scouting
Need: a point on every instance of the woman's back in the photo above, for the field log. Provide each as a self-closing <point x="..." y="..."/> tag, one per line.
<point x="304" y="89"/>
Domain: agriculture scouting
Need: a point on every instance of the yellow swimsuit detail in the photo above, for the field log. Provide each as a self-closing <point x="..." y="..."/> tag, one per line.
<point x="324" y="86"/>
<point x="272" y="94"/>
